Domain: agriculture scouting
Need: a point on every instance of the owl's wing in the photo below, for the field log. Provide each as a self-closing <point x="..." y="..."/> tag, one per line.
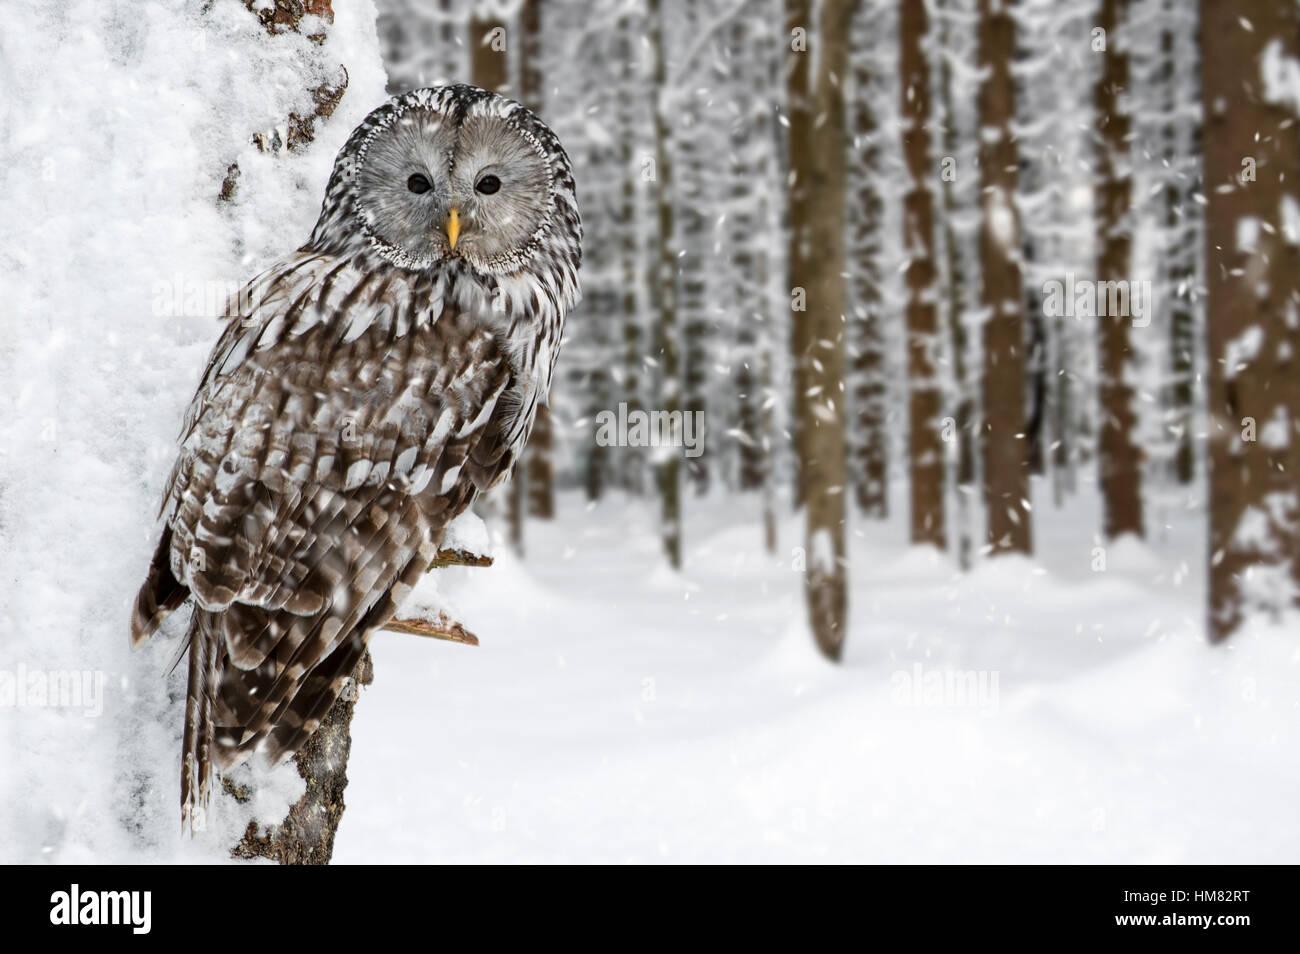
<point x="297" y="404"/>
<point x="339" y="427"/>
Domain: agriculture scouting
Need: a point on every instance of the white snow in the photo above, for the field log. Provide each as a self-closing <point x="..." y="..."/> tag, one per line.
<point x="469" y="533"/>
<point x="1001" y="219"/>
<point x="619" y="712"/>
<point x="1032" y="709"/>
<point x="1247" y="233"/>
<point x="117" y="127"/>
<point x="1289" y="215"/>
<point x="1280" y="75"/>
<point x="1242" y="350"/>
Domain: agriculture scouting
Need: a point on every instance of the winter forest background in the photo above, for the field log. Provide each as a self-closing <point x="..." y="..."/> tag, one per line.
<point x="988" y="550"/>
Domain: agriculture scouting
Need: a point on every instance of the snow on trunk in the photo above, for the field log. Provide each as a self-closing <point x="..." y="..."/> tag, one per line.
<point x="118" y="132"/>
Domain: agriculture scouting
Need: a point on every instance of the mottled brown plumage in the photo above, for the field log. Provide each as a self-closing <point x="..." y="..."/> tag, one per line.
<point x="370" y="387"/>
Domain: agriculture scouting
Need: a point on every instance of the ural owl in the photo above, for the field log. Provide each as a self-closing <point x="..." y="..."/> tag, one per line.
<point x="368" y="387"/>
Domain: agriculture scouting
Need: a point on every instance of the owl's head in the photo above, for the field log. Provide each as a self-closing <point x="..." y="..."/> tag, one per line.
<point x="454" y="173"/>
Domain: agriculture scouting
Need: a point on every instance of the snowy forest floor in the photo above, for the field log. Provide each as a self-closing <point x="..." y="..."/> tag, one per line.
<point x="619" y="711"/>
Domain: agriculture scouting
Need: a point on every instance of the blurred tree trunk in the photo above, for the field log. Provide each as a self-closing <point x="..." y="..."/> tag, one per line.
<point x="538" y="469"/>
<point x="955" y="278"/>
<point x="630" y="125"/>
<point x="747" y="292"/>
<point x="489" y="62"/>
<point x="798" y="106"/>
<point x="768" y="139"/>
<point x="1006" y="472"/>
<point x="1118" y="464"/>
<point x="750" y="228"/>
<point x="697" y="151"/>
<point x="1251" y="137"/>
<point x="489" y="66"/>
<point x="1180" y="247"/>
<point x="423" y="42"/>
<point x="663" y="285"/>
<point x="531" y="91"/>
<point x="818" y="152"/>
<point x="870" y="441"/>
<point x="925" y="395"/>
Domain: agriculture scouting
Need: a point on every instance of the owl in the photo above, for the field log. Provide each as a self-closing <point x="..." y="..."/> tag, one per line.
<point x="366" y="389"/>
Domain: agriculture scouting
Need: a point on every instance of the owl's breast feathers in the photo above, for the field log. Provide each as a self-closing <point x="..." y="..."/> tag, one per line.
<point x="340" y="425"/>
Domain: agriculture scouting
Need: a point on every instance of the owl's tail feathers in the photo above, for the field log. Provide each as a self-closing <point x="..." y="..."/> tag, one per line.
<point x="200" y="698"/>
<point x="160" y="594"/>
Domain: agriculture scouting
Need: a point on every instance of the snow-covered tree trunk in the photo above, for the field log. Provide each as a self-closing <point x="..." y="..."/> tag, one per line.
<point x="424" y="42"/>
<point x="751" y="232"/>
<point x="1181" y="229"/>
<point x="200" y="152"/>
<point x="1250" y="57"/>
<point x="488" y="41"/>
<point x="663" y="284"/>
<point x="1118" y="463"/>
<point x="1006" y="470"/>
<point x="306" y="835"/>
<point x="818" y="151"/>
<point x="537" y="471"/>
<point x="489" y="44"/>
<point x="798" y="116"/>
<point x="869" y="365"/>
<point x="748" y="300"/>
<point x="955" y="292"/>
<point x="695" y="151"/>
<point x="925" y="392"/>
<point x="630" y="119"/>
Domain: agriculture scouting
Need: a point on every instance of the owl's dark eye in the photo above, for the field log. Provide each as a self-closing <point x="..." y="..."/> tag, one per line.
<point x="418" y="184"/>
<point x="488" y="185"/>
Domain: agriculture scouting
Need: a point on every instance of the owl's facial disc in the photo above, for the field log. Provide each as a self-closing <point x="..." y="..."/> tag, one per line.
<point x="500" y="190"/>
<point x="404" y="186"/>
<point x="432" y="190"/>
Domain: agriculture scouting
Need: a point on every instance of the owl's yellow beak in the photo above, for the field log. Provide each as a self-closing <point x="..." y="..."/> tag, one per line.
<point x="453" y="227"/>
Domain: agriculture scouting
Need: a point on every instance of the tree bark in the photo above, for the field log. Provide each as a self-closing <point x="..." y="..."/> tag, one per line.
<point x="1006" y="472"/>
<point x="870" y="442"/>
<point x="798" y="112"/>
<point x="663" y="282"/>
<point x="925" y="396"/>
<point x="817" y="239"/>
<point x="306" y="836"/>
<point x="538" y="467"/>
<point x="1180" y="279"/>
<point x="489" y="64"/>
<point x="955" y="278"/>
<point x="629" y="119"/>
<point x="1252" y="252"/>
<point x="1118" y="463"/>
